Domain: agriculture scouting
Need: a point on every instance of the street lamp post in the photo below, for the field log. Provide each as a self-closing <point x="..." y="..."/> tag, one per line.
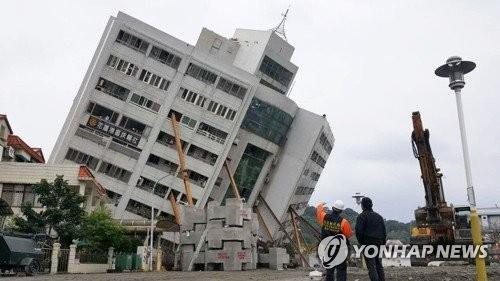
<point x="454" y="69"/>
<point x="150" y="261"/>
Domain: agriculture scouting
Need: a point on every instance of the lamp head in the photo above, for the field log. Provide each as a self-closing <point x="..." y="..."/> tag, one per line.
<point x="454" y="69"/>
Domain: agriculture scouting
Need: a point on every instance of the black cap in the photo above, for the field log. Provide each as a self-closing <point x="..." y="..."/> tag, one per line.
<point x="366" y="203"/>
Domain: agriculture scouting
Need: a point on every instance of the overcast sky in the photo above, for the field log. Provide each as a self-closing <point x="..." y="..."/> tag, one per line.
<point x="365" y="64"/>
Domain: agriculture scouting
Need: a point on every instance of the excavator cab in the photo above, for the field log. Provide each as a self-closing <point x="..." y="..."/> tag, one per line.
<point x="462" y="224"/>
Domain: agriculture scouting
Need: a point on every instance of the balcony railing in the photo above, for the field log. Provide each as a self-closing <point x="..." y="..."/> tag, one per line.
<point x="210" y="136"/>
<point x="112" y="130"/>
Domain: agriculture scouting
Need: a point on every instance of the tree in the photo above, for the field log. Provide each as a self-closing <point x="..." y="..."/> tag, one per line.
<point x="99" y="231"/>
<point x="62" y="212"/>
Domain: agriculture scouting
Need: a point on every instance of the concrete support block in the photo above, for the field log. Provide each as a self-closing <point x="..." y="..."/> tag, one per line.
<point x="56" y="247"/>
<point x="190" y="217"/>
<point x="111" y="254"/>
<point x="232" y="257"/>
<point x="187" y="255"/>
<point x="71" y="258"/>
<point x="277" y="258"/>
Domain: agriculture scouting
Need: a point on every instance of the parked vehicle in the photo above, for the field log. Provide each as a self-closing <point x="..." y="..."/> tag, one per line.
<point x="19" y="254"/>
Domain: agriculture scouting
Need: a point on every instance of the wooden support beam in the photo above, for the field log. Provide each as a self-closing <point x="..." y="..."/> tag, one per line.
<point x="297" y="237"/>
<point x="233" y="182"/>
<point x="316" y="233"/>
<point x="175" y="208"/>
<point x="261" y="198"/>
<point x="182" y="161"/>
<point x="261" y="219"/>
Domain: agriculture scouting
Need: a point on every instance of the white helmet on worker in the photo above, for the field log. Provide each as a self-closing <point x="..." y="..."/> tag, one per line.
<point x="339" y="205"/>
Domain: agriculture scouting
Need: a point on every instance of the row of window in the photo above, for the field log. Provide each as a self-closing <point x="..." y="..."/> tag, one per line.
<point x="203" y="129"/>
<point x="192" y="97"/>
<point x="162" y="164"/>
<point x="122" y="65"/>
<point x="221" y="110"/>
<point x="318" y="159"/>
<point x="154" y="80"/>
<point x="194" y="151"/>
<point x="81" y="158"/>
<point x="145" y="102"/>
<point x="304" y="190"/>
<point x="132" y="41"/>
<point x="231" y="88"/>
<point x="141" y="45"/>
<point x="275" y="71"/>
<point x="314" y="176"/>
<point x="114" y="171"/>
<point x="323" y="140"/>
<point x="213" y="106"/>
<point x="112" y="89"/>
<point x="152" y="186"/>
<point x="202" y="74"/>
<point x="165" y="57"/>
<point x="267" y="121"/>
<point x="17" y="195"/>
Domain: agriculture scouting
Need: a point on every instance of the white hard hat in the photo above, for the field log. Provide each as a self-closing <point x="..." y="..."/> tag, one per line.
<point x="339" y="205"/>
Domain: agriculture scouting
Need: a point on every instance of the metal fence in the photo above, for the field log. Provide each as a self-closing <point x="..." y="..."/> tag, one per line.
<point x="91" y="256"/>
<point x="62" y="265"/>
<point x="46" y="261"/>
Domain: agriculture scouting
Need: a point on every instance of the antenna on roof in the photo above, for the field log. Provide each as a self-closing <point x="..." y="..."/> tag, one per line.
<point x="280" y="29"/>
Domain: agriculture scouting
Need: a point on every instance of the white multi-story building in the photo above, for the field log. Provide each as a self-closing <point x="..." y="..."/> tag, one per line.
<point x="230" y="96"/>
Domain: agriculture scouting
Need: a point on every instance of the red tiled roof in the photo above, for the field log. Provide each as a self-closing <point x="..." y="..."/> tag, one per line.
<point x="84" y="173"/>
<point x="4" y="117"/>
<point x="17" y="142"/>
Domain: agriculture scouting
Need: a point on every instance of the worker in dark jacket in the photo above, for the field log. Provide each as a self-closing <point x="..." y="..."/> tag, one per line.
<point x="370" y="230"/>
<point x="331" y="225"/>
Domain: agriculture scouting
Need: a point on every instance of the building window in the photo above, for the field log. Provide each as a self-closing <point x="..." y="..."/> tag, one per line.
<point x="221" y="110"/>
<point x="139" y="209"/>
<point x="327" y="146"/>
<point x="248" y="170"/>
<point x="161" y="164"/>
<point x="212" y="133"/>
<point x="132" y="125"/>
<point x="114" y="171"/>
<point x="81" y="158"/>
<point x="314" y="176"/>
<point x="318" y="159"/>
<point x="102" y="112"/>
<point x="192" y="97"/>
<point x="148" y="185"/>
<point x="196" y="178"/>
<point x="122" y="65"/>
<point x="165" y="57"/>
<point x="145" y="102"/>
<point x="154" y="80"/>
<point x="112" y="89"/>
<point x="275" y="72"/>
<point x="231" y="88"/>
<point x="267" y="121"/>
<point x="132" y="41"/>
<point x="201" y="74"/>
<point x="169" y="140"/>
<point x="202" y="154"/>
<point x="190" y="122"/>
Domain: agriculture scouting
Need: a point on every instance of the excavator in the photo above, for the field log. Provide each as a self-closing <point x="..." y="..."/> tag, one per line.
<point x="437" y="223"/>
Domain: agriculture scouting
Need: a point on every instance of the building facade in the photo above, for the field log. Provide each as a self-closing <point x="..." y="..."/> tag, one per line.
<point x="230" y="96"/>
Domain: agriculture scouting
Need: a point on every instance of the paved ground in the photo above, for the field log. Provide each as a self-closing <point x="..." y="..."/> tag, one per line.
<point x="454" y="273"/>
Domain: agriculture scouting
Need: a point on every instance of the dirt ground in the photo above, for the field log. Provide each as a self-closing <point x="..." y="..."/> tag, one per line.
<point x="452" y="273"/>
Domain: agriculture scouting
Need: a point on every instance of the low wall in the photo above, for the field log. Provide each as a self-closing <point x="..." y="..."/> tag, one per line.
<point x="78" y="267"/>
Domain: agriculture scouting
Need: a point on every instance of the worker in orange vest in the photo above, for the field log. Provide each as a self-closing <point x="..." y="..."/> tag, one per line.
<point x="332" y="224"/>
